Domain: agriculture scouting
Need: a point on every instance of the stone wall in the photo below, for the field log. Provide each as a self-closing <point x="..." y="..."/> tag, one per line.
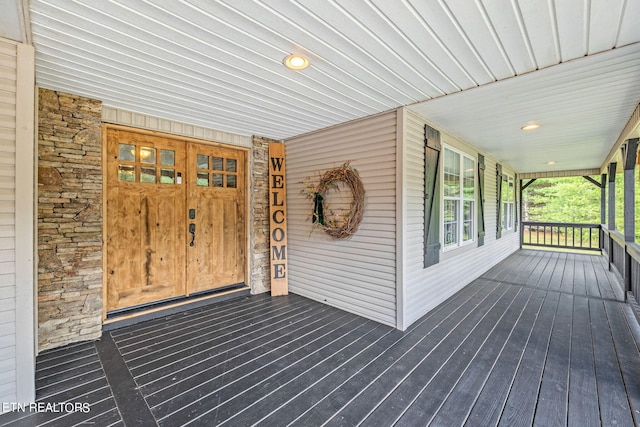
<point x="260" y="216"/>
<point x="69" y="219"/>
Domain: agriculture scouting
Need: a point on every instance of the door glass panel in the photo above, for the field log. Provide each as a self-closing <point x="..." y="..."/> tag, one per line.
<point x="147" y="155"/>
<point x="148" y="175"/>
<point x="203" y="179"/>
<point x="217" y="163"/>
<point x="231" y="165"/>
<point x="127" y="153"/>
<point x="217" y="180"/>
<point x="203" y="162"/>
<point x="167" y="157"/>
<point x="231" y="181"/>
<point x="167" y="176"/>
<point x="127" y="173"/>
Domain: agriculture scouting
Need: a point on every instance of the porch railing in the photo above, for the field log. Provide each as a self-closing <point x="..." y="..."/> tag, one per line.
<point x="624" y="259"/>
<point x="561" y="235"/>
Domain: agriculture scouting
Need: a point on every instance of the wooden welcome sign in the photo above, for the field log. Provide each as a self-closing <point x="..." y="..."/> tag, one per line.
<point x="278" y="215"/>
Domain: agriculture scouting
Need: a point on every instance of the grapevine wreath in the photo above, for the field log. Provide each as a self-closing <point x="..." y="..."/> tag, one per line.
<point x="338" y="226"/>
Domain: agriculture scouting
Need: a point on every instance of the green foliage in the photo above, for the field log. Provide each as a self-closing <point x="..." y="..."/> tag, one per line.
<point x="571" y="199"/>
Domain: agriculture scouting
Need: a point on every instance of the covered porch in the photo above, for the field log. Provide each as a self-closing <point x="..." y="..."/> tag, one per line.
<point x="542" y="338"/>
<point x="443" y="109"/>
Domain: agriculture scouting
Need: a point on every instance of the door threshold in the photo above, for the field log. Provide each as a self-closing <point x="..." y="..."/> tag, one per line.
<point x="168" y="308"/>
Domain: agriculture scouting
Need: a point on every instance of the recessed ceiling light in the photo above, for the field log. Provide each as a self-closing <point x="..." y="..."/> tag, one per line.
<point x="296" y="62"/>
<point x="552" y="163"/>
<point x="530" y="126"/>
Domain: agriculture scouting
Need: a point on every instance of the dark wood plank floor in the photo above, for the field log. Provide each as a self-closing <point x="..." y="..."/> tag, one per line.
<point x="567" y="272"/>
<point x="70" y="375"/>
<point x="541" y="339"/>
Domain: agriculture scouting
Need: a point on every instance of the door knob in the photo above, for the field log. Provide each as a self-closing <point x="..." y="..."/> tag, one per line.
<point x="192" y="230"/>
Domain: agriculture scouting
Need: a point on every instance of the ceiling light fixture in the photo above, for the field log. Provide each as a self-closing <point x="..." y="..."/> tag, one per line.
<point x="530" y="126"/>
<point x="296" y="62"/>
<point x="552" y="163"/>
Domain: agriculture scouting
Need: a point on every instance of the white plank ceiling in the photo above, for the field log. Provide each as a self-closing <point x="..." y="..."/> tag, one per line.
<point x="481" y="69"/>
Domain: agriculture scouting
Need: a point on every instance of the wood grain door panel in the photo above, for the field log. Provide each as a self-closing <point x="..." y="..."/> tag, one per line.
<point x="217" y="258"/>
<point x="145" y="249"/>
<point x="145" y="222"/>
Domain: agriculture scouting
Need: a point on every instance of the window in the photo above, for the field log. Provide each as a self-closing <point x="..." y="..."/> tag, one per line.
<point x="508" y="202"/>
<point x="212" y="171"/>
<point x="459" y="196"/>
<point x="144" y="165"/>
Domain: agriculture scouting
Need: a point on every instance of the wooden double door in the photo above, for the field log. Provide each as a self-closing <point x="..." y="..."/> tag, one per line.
<point x="175" y="218"/>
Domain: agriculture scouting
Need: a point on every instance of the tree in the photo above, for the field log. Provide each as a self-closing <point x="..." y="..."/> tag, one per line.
<point x="571" y="199"/>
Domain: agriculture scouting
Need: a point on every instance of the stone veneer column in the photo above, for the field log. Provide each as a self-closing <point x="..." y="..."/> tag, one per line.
<point x="260" y="268"/>
<point x="69" y="219"/>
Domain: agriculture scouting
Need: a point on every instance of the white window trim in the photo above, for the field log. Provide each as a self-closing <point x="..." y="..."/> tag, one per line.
<point x="510" y="224"/>
<point x="461" y="243"/>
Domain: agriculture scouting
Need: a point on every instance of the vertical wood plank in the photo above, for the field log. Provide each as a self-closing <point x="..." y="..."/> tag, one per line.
<point x="533" y="278"/>
<point x="579" y="277"/>
<point x="217" y="258"/>
<point x="568" y="274"/>
<point x="582" y="380"/>
<point x="278" y="219"/>
<point x="230" y="257"/>
<point x="554" y="389"/>
<point x="489" y="404"/>
<point x="459" y="378"/>
<point x="612" y="395"/>
<point x="591" y="280"/>
<point x="555" y="281"/>
<point x="520" y="406"/>
<point x="145" y="238"/>
<point x="627" y="352"/>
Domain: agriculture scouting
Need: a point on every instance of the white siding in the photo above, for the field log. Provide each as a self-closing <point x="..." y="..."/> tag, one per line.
<point x="145" y="121"/>
<point x="8" y="63"/>
<point x="423" y="289"/>
<point x="359" y="274"/>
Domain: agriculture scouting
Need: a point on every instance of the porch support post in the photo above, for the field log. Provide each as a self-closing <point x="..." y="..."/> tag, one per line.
<point x="603" y="199"/>
<point x="520" y="209"/>
<point x="522" y="188"/>
<point x="611" y="223"/>
<point x="630" y="157"/>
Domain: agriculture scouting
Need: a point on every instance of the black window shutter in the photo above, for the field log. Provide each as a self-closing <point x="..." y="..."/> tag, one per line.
<point x="499" y="201"/>
<point x="431" y="196"/>
<point x="481" y="229"/>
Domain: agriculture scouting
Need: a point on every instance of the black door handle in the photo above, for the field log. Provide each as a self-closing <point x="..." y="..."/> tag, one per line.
<point x="192" y="230"/>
